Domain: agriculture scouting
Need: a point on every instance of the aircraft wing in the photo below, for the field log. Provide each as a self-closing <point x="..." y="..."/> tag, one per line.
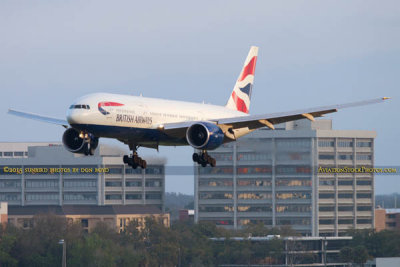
<point x="38" y="117"/>
<point x="257" y="121"/>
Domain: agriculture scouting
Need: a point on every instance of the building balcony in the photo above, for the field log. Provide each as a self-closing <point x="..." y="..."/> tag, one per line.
<point x="348" y="188"/>
<point x="326" y="200"/>
<point x="364" y="226"/>
<point x="345" y="201"/>
<point x="216" y="215"/>
<point x="364" y="213"/>
<point x="113" y="189"/>
<point x="293" y="188"/>
<point x="345" y="226"/>
<point x="216" y="188"/>
<point x="326" y="227"/>
<point x="329" y="188"/>
<point x="215" y="201"/>
<point x="326" y="214"/>
<point x="345" y="213"/>
<point x="154" y="188"/>
<point x="254" y="214"/>
<point x="364" y="201"/>
<point x="80" y="189"/>
<point x="364" y="188"/>
<point x="42" y="189"/>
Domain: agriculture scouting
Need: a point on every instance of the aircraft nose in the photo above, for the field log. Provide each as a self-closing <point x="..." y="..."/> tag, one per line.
<point x="72" y="117"/>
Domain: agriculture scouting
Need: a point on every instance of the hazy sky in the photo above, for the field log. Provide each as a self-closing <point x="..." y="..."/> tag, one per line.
<point x="311" y="53"/>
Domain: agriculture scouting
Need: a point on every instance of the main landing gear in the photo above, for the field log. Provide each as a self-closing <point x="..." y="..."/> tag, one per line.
<point x="203" y="159"/>
<point x="134" y="160"/>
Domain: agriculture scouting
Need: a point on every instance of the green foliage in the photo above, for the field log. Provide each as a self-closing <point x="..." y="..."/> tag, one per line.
<point x="152" y="244"/>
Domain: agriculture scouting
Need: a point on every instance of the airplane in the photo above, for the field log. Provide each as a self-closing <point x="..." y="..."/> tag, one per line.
<point x="152" y="122"/>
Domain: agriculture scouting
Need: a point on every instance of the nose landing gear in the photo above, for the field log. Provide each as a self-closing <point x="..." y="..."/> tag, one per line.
<point x="203" y="159"/>
<point x="134" y="160"/>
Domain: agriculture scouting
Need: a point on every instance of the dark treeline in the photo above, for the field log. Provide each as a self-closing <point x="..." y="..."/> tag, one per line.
<point x="183" y="244"/>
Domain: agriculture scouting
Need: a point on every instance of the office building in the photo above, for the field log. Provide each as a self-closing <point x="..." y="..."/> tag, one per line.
<point x="274" y="177"/>
<point x="47" y="174"/>
<point x="387" y="219"/>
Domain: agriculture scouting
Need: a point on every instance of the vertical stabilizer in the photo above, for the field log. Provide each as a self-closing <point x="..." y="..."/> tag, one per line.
<point x="241" y="94"/>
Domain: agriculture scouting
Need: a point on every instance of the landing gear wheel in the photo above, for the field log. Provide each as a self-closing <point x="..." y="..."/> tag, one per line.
<point x="204" y="164"/>
<point x="212" y="162"/>
<point x="195" y="157"/>
<point x="134" y="160"/>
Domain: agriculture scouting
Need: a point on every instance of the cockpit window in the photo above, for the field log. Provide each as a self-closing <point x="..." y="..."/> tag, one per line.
<point x="79" y="107"/>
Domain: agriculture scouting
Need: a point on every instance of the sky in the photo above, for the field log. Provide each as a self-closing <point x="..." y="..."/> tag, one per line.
<point x="311" y="53"/>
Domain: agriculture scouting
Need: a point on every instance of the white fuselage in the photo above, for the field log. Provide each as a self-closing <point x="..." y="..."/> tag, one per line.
<point x="108" y="115"/>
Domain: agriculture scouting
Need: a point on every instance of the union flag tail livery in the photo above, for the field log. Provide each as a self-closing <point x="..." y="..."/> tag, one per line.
<point x="241" y="94"/>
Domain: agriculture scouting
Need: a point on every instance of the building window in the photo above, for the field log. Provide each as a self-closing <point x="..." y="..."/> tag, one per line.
<point x="364" y="208"/>
<point x="254" y="221"/>
<point x="80" y="196"/>
<point x="133" y="183"/>
<point x="326" y="221"/>
<point x="345" y="143"/>
<point x="154" y="170"/>
<point x="293" y="195"/>
<point x="8" y="154"/>
<point x="254" y="196"/>
<point x="153" y="196"/>
<point x="326" y="143"/>
<point x="345" y="182"/>
<point x="364" y="144"/>
<point x="219" y="222"/>
<point x="345" y="208"/>
<point x="133" y="171"/>
<point x="114" y="170"/>
<point x="364" y="182"/>
<point x="364" y="157"/>
<point x="79" y="184"/>
<point x="219" y="195"/>
<point x="326" y="195"/>
<point x="345" y="157"/>
<point x="216" y="170"/>
<point x="345" y="195"/>
<point x="113" y="184"/>
<point x="364" y="221"/>
<point x="293" y="169"/>
<point x="10" y="184"/>
<point x="153" y="183"/>
<point x="392" y="216"/>
<point x="293" y="208"/>
<point x="326" y="156"/>
<point x="253" y="182"/>
<point x="327" y="182"/>
<point x="391" y="224"/>
<point x="133" y="196"/>
<point x="216" y="209"/>
<point x="254" y="170"/>
<point x="1" y="154"/>
<point x="363" y="195"/>
<point x="345" y="221"/>
<point x="10" y="197"/>
<point x="293" y="221"/>
<point x="293" y="143"/>
<point x="43" y="196"/>
<point x="41" y="183"/>
<point x="18" y="154"/>
<point x="293" y="182"/>
<point x="252" y="208"/>
<point x="250" y="156"/>
<point x="113" y="197"/>
<point x="326" y="208"/>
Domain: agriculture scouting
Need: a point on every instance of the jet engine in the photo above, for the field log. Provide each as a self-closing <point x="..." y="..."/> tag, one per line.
<point x="204" y="135"/>
<point x="74" y="142"/>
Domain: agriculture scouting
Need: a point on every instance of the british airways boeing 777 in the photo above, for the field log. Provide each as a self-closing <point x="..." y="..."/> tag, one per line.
<point x="150" y="122"/>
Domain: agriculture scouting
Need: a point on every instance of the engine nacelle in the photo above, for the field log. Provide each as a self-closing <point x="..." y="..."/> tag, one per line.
<point x="73" y="143"/>
<point x="204" y="135"/>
